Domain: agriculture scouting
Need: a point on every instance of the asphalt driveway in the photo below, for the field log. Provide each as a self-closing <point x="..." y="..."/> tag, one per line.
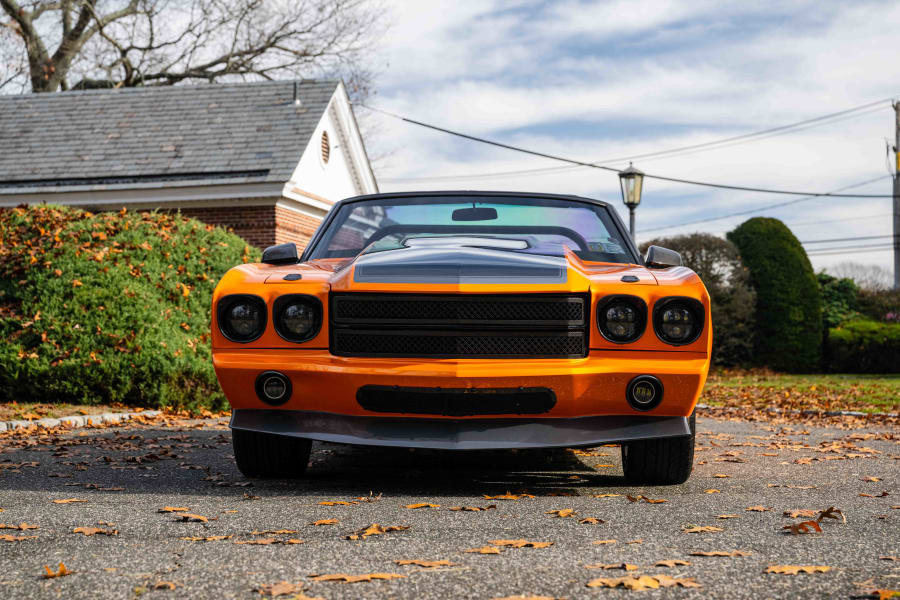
<point x="747" y="475"/>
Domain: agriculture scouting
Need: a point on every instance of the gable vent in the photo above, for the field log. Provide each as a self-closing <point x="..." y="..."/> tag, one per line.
<point x="326" y="147"/>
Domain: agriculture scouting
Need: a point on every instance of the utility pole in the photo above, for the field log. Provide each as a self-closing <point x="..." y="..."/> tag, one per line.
<point x="896" y="198"/>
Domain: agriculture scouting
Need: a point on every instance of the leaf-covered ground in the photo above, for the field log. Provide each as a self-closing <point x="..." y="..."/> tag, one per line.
<point x="157" y="509"/>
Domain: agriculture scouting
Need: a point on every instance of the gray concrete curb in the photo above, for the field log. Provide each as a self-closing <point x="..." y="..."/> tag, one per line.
<point x="75" y="421"/>
<point x="827" y="413"/>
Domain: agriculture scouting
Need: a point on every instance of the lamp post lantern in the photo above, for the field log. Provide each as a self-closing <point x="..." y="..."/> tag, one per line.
<point x="632" y="182"/>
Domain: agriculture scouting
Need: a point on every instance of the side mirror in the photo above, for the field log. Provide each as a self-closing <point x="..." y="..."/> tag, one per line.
<point x="282" y="254"/>
<point x="658" y="257"/>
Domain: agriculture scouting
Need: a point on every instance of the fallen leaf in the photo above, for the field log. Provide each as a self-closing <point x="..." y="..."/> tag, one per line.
<point x="804" y="527"/>
<point x="355" y="578"/>
<point x="728" y="517"/>
<point x="374" y="529"/>
<point x="61" y="572"/>
<point x="795" y="569"/>
<point x="190" y="518"/>
<point x="832" y="513"/>
<point x="712" y="491"/>
<point x="720" y="475"/>
<point x="800" y="512"/>
<point x="473" y="508"/>
<point x="211" y="538"/>
<point x="607" y="495"/>
<point x="640" y="498"/>
<point x="592" y="521"/>
<point x="757" y="509"/>
<point x="871" y="479"/>
<point x="423" y="505"/>
<point x="881" y="495"/>
<point x="273" y="532"/>
<point x="733" y="553"/>
<point x="895" y="558"/>
<point x="169" y="509"/>
<point x="644" y="582"/>
<point x="520" y="543"/>
<point x="637" y="541"/>
<point x="268" y="542"/>
<point x="336" y="503"/>
<point x="282" y="588"/>
<point x="672" y="563"/>
<point x="482" y="550"/>
<point x="164" y="585"/>
<point x="507" y="496"/>
<point x="427" y="564"/>
<point x="702" y="529"/>
<point x="603" y="542"/>
<point x="561" y="513"/>
<point x="622" y="566"/>
<point x="686" y="582"/>
<point x="325" y="522"/>
<point x="89" y="531"/>
<point x="68" y="501"/>
<point x="16" y="538"/>
<point x="19" y="527"/>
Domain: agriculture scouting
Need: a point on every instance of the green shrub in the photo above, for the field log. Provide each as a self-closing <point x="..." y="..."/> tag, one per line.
<point x="839" y="299"/>
<point x="880" y="305"/>
<point x="864" y="346"/>
<point x="718" y="263"/>
<point x="788" y="304"/>
<point x="113" y="307"/>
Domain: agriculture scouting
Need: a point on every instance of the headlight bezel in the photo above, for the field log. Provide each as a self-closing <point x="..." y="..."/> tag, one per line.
<point x="224" y="306"/>
<point x="692" y="305"/>
<point x="636" y="303"/>
<point x="280" y="305"/>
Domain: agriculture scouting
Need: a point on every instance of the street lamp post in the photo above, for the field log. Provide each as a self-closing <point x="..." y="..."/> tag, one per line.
<point x="632" y="182"/>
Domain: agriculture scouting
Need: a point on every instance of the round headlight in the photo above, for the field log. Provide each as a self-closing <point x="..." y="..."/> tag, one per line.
<point x="678" y="321"/>
<point x="297" y="317"/>
<point x="242" y="317"/>
<point x="621" y="319"/>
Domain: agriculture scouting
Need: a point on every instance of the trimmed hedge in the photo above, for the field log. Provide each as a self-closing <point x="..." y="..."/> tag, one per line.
<point x="864" y="346"/>
<point x="110" y="308"/>
<point x="788" y="304"/>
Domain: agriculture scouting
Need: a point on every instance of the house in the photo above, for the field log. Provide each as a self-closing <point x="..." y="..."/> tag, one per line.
<point x="267" y="159"/>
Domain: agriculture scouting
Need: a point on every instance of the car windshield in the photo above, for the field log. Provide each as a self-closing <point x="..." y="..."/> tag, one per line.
<point x="530" y="225"/>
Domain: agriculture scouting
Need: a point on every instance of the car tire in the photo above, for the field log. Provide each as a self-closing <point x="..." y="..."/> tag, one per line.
<point x="265" y="455"/>
<point x="666" y="461"/>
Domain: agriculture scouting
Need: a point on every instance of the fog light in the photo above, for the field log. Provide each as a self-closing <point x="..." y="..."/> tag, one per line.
<point x="273" y="388"/>
<point x="644" y="392"/>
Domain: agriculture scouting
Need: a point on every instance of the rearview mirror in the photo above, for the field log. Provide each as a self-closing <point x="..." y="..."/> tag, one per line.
<point x="474" y="214"/>
<point x="282" y="254"/>
<point x="658" y="257"/>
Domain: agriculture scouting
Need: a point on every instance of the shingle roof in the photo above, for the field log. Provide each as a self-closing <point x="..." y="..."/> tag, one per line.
<point x="250" y="131"/>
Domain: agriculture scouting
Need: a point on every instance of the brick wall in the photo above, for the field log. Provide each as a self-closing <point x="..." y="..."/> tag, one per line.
<point x="261" y="226"/>
<point x="291" y="226"/>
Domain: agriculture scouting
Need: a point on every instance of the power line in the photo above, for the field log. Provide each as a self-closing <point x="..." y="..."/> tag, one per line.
<point x="605" y="168"/>
<point x="770" y="206"/>
<point x="841" y="220"/>
<point x="691" y="149"/>
<point x="850" y="239"/>
<point x="857" y="250"/>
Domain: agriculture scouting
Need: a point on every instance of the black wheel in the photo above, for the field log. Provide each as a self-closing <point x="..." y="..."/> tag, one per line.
<point x="266" y="455"/>
<point x="666" y="461"/>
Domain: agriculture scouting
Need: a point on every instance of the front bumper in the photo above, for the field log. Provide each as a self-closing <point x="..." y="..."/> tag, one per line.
<point x="462" y="434"/>
<point x="584" y="387"/>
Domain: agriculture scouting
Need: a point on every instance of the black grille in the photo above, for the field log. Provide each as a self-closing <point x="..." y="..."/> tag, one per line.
<point x="456" y="402"/>
<point x="495" y="326"/>
<point x="377" y="308"/>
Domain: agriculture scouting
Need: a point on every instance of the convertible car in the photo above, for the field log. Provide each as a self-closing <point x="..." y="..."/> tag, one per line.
<point x="464" y="321"/>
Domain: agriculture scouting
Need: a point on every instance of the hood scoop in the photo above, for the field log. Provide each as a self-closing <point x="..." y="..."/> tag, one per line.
<point x="459" y="264"/>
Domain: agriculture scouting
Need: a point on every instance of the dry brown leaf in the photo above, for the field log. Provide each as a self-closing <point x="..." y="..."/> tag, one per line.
<point x="16" y="538"/>
<point x="800" y="512"/>
<point x="757" y="509"/>
<point x="284" y="588"/>
<point x="733" y="553"/>
<point x="355" y="578"/>
<point x="561" y="513"/>
<point x="89" y="531"/>
<point x="871" y="479"/>
<point x="374" y="529"/>
<point x="712" y="491"/>
<point x="643" y="498"/>
<point x="211" y="538"/>
<point x="804" y="527"/>
<point x="473" y="508"/>
<point x="686" y="582"/>
<point x="894" y="558"/>
<point x="68" y="501"/>
<point x="728" y="517"/>
<point x="19" y="527"/>
<point x="603" y="542"/>
<point x="482" y="550"/>
<point x="190" y="518"/>
<point x="702" y="529"/>
<point x="168" y="509"/>
<point x="268" y="542"/>
<point x="672" y="563"/>
<point x="508" y="496"/>
<point x="423" y="505"/>
<point x="325" y="522"/>
<point x="592" y="521"/>
<point x="336" y="503"/>
<point x="644" y="582"/>
<point x="607" y="495"/>
<point x="795" y="569"/>
<point x="520" y="543"/>
<point x="637" y="541"/>
<point x="881" y="495"/>
<point x="273" y="532"/>
<point x="832" y="513"/>
<point x="164" y="585"/>
<point x="720" y="475"/>
<point x="623" y="566"/>
<point x="61" y="572"/>
<point x="427" y="564"/>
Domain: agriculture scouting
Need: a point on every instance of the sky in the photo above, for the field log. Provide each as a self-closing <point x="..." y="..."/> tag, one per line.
<point x="601" y="80"/>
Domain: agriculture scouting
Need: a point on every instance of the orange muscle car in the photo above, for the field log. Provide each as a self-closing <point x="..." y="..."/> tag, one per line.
<point x="464" y="321"/>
